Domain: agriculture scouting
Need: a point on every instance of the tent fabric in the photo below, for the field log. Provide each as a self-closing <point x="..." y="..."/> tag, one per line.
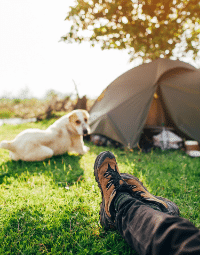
<point x="161" y="92"/>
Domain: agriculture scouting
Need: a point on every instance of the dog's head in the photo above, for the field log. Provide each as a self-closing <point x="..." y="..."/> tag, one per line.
<point x="78" y="120"/>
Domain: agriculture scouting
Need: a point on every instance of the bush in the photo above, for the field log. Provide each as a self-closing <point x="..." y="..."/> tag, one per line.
<point x="5" y="114"/>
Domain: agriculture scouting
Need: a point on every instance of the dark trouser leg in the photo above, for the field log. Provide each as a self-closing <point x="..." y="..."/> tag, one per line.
<point x="149" y="231"/>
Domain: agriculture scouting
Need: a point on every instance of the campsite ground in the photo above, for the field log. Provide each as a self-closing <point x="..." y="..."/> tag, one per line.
<point x="52" y="207"/>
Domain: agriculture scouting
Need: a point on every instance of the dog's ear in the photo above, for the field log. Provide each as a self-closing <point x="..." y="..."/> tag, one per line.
<point x="72" y="117"/>
<point x="70" y="125"/>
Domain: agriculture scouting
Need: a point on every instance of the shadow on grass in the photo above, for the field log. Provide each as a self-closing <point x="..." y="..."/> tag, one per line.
<point x="64" y="169"/>
<point x="67" y="232"/>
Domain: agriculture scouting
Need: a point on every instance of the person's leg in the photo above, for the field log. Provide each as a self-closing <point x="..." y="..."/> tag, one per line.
<point x="150" y="231"/>
<point x="127" y="205"/>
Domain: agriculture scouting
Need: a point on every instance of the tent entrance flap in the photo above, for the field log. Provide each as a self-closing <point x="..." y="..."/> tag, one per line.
<point x="158" y="115"/>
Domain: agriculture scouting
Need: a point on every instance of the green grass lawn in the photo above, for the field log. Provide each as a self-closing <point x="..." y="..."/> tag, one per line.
<point x="52" y="207"/>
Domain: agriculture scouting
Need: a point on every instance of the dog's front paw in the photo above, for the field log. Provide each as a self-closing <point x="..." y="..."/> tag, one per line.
<point x="86" y="149"/>
<point x="83" y="150"/>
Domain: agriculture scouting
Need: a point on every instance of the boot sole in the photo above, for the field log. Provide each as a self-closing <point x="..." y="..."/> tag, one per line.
<point x="105" y="222"/>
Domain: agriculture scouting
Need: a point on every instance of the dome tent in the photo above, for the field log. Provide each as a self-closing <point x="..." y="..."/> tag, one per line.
<point x="162" y="92"/>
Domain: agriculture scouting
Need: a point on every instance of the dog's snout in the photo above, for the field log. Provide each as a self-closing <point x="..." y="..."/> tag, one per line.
<point x="85" y="131"/>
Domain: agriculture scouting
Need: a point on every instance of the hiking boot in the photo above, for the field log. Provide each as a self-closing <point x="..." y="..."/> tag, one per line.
<point x="110" y="182"/>
<point x="142" y="194"/>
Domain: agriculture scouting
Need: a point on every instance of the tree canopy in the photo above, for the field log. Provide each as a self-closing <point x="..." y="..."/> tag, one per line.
<point x="147" y="28"/>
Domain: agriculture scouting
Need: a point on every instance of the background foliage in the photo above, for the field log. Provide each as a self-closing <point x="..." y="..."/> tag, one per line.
<point x="147" y="28"/>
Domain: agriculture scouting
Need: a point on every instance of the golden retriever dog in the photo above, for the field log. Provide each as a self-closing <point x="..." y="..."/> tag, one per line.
<point x="64" y="135"/>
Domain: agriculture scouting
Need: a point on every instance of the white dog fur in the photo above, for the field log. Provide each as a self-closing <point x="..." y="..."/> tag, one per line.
<point x="64" y="135"/>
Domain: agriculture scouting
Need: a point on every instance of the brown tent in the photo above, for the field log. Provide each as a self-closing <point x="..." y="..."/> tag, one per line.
<point x="163" y="92"/>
